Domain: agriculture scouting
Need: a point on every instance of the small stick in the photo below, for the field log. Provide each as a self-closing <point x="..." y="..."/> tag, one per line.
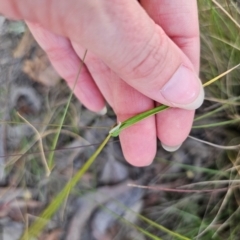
<point x="177" y="190"/>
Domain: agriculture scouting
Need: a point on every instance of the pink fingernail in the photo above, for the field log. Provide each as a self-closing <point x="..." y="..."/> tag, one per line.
<point x="184" y="89"/>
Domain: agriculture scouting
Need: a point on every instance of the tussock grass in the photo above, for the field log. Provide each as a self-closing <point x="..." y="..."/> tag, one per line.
<point x="193" y="214"/>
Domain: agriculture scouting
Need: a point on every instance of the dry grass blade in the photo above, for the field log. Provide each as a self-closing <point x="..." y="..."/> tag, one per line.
<point x="221" y="7"/>
<point x="157" y="188"/>
<point x="223" y="204"/>
<point x="216" y="145"/>
<point x="44" y="160"/>
<point x="220" y="76"/>
<point x="37" y="226"/>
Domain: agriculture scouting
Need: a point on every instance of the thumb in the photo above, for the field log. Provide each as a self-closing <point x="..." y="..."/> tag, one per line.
<point x="142" y="54"/>
<point x="147" y="59"/>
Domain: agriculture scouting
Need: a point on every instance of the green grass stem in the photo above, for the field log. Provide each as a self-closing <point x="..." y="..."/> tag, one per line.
<point x="56" y="137"/>
<point x="44" y="218"/>
<point x="217" y="124"/>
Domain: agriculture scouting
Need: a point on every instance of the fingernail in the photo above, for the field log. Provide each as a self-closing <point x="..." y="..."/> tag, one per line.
<point x="103" y="111"/>
<point x="171" y="148"/>
<point x="184" y="89"/>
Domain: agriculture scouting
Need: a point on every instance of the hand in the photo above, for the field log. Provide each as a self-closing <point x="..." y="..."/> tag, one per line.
<point x="139" y="54"/>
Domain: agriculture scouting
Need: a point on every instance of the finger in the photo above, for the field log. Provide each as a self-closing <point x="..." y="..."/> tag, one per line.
<point x="179" y="19"/>
<point x="128" y="41"/>
<point x="98" y="70"/>
<point x="67" y="63"/>
<point x="173" y="127"/>
<point x="139" y="141"/>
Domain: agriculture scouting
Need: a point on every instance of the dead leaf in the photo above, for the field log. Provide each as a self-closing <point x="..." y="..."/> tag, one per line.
<point x="40" y="69"/>
<point x="24" y="45"/>
<point x="37" y="66"/>
<point x="53" y="235"/>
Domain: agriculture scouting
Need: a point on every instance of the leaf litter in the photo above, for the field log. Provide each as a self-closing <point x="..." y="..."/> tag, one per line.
<point x="94" y="210"/>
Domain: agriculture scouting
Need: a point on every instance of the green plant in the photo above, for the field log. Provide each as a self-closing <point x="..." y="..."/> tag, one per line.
<point x="193" y="215"/>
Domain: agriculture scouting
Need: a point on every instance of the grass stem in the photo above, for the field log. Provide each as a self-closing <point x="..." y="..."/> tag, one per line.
<point x="55" y="140"/>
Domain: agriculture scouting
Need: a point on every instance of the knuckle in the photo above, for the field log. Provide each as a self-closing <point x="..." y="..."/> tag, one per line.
<point x="152" y="59"/>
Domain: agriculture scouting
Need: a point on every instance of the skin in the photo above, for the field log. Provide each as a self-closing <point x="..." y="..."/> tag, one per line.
<point x="133" y="50"/>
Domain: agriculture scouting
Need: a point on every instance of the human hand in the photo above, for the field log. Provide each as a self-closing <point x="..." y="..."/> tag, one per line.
<point x="138" y="55"/>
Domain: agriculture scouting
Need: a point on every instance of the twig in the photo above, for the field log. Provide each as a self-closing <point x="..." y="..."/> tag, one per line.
<point x="177" y="190"/>
<point x="44" y="160"/>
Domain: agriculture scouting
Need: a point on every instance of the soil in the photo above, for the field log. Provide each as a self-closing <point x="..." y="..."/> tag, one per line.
<point x="25" y="191"/>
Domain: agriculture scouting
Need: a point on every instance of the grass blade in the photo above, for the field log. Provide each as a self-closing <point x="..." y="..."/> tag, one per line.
<point x="39" y="224"/>
<point x="55" y="140"/>
<point x="135" y="119"/>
